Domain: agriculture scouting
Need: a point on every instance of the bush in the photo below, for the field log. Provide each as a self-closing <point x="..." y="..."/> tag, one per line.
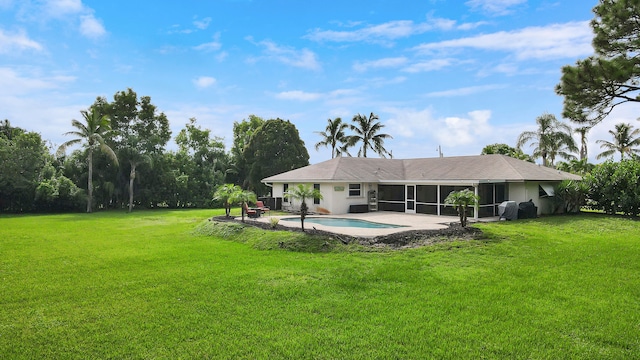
<point x="615" y="187"/>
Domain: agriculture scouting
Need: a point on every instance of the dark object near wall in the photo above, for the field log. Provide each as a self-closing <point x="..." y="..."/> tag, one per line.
<point x="527" y="210"/>
<point x="360" y="208"/>
<point x="272" y="203"/>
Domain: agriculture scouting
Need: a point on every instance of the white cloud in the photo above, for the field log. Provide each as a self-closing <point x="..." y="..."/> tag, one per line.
<point x="72" y="11"/>
<point x="465" y="91"/>
<point x="298" y="95"/>
<point x="17" y="42"/>
<point x="556" y="41"/>
<point x="496" y="7"/>
<point x="204" y="82"/>
<point x="15" y="83"/>
<point x="60" y="8"/>
<point x="214" y="45"/>
<point x="465" y="131"/>
<point x="430" y="65"/>
<point x="385" y="32"/>
<point x="449" y="131"/>
<point x="91" y="27"/>
<point x="202" y="24"/>
<point x="304" y="58"/>
<point x="380" y="63"/>
<point x="410" y="123"/>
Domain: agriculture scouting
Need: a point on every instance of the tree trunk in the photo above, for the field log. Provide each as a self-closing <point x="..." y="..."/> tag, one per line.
<point x="90" y="183"/>
<point x="303" y="213"/>
<point x="132" y="176"/>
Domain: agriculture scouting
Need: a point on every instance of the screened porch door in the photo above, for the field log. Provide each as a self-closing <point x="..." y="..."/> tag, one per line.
<point x="410" y="203"/>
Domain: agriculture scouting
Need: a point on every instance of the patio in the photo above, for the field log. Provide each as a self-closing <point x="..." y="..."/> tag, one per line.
<point x="408" y="221"/>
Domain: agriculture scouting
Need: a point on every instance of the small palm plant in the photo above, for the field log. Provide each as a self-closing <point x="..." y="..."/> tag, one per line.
<point x="461" y="200"/>
<point x="225" y="193"/>
<point x="302" y="193"/>
<point x="243" y="197"/>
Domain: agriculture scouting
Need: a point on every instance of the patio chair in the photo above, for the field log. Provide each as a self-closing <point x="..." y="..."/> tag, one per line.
<point x="260" y="205"/>
<point x="251" y="212"/>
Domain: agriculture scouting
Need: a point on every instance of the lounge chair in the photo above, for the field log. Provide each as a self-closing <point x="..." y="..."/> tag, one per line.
<point x="260" y="205"/>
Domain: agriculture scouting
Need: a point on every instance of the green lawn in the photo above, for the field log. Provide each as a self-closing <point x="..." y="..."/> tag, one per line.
<point x="144" y="285"/>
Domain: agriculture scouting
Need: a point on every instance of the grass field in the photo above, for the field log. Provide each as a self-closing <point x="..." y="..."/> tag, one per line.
<point x="145" y="285"/>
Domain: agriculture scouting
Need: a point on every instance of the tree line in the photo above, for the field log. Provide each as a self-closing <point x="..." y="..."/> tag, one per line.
<point x="116" y="157"/>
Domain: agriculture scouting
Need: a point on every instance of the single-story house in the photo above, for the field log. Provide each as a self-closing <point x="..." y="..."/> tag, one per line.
<point x="421" y="185"/>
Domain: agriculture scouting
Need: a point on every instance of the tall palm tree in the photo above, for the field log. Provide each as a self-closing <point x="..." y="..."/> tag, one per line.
<point x="625" y="141"/>
<point x="334" y="136"/>
<point x="135" y="157"/>
<point x="583" y="141"/>
<point x="92" y="135"/>
<point x="367" y="131"/>
<point x="302" y="193"/>
<point x="552" y="138"/>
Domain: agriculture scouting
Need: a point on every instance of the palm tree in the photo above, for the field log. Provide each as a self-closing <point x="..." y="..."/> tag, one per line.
<point x="334" y="136"/>
<point x="551" y="139"/>
<point x="225" y="193"/>
<point x="583" y="141"/>
<point x="302" y="193"/>
<point x="461" y="200"/>
<point x="135" y="157"/>
<point x="92" y="135"/>
<point x="625" y="139"/>
<point x="367" y="131"/>
<point x="243" y="197"/>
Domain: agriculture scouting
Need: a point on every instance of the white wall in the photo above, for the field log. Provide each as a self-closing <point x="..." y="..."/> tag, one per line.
<point x="520" y="192"/>
<point x="334" y="200"/>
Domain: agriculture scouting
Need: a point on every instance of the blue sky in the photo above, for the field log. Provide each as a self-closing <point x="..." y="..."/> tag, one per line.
<point x="459" y="74"/>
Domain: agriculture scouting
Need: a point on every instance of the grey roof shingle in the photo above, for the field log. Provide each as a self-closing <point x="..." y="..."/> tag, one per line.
<point x="471" y="168"/>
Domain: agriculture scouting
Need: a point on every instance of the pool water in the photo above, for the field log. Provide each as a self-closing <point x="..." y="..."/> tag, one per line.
<point x="338" y="222"/>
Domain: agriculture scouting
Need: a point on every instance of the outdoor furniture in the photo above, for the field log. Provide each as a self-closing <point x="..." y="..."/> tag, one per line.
<point x="251" y="212"/>
<point x="260" y="205"/>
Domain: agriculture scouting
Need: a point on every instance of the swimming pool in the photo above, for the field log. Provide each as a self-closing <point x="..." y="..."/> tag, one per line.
<point x="340" y="222"/>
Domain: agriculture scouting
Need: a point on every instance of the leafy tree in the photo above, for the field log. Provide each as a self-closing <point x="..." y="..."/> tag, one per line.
<point x="552" y="138"/>
<point x="92" y="135"/>
<point x="334" y="136"/>
<point x="225" y="193"/>
<point x="462" y="200"/>
<point x="274" y="148"/>
<point x="625" y="141"/>
<point x="505" y="149"/>
<point x="201" y="159"/>
<point x="367" y="132"/>
<point x="302" y="193"/>
<point x="614" y="187"/>
<point x="243" y="197"/>
<point x="238" y="169"/>
<point x="594" y="86"/>
<point x="23" y="157"/>
<point x="575" y="166"/>
<point x="141" y="131"/>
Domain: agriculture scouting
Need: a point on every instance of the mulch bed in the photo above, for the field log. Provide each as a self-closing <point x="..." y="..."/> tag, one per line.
<point x="404" y="239"/>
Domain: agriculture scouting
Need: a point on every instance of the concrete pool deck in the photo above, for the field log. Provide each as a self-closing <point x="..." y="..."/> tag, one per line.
<point x="409" y="221"/>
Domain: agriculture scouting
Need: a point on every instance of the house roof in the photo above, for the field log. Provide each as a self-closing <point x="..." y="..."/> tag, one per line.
<point x="479" y="168"/>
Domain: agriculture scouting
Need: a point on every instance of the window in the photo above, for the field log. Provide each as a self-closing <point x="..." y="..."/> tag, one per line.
<point x="354" y="190"/>
<point x="285" y="188"/>
<point x="316" y="187"/>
